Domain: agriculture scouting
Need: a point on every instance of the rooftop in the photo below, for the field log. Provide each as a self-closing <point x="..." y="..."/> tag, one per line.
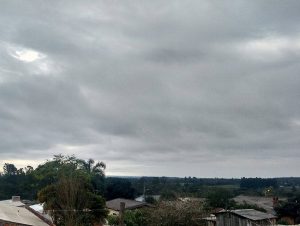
<point x="250" y="214"/>
<point x="13" y="202"/>
<point x="129" y="204"/>
<point x="20" y="215"/>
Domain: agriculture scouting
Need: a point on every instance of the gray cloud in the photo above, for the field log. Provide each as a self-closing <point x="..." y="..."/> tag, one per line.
<point x="147" y="86"/>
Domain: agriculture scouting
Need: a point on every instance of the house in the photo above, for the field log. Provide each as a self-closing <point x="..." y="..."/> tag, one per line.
<point x="244" y="217"/>
<point x="114" y="205"/>
<point x="14" y="213"/>
<point x="211" y="220"/>
<point x="38" y="210"/>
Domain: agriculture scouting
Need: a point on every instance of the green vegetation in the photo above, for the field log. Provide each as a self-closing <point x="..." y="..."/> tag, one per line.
<point x="119" y="188"/>
<point x="220" y="198"/>
<point x="131" y="218"/>
<point x="70" y="188"/>
<point x="165" y="214"/>
<point x="290" y="208"/>
<point x="256" y="183"/>
<point x="168" y="195"/>
<point x="77" y="190"/>
<point x="72" y="199"/>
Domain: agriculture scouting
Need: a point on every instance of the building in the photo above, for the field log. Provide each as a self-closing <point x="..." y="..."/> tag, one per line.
<point x="114" y="205"/>
<point x="244" y="217"/>
<point x="211" y="220"/>
<point x="14" y="213"/>
<point x="142" y="198"/>
<point x="38" y="210"/>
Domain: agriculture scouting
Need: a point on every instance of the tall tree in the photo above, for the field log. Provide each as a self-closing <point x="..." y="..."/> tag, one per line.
<point x="96" y="171"/>
<point x="71" y="199"/>
<point x="10" y="169"/>
<point x="91" y="167"/>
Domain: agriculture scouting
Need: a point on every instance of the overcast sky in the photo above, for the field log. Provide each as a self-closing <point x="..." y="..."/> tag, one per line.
<point x="174" y="88"/>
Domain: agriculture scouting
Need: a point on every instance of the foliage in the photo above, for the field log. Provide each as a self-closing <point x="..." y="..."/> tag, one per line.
<point x="220" y="198"/>
<point x="119" y="188"/>
<point x="183" y="187"/>
<point x="150" y="200"/>
<point x="65" y="183"/>
<point x="256" y="183"/>
<point x="175" y="213"/>
<point x="170" y="213"/>
<point x="134" y="218"/>
<point x="290" y="208"/>
<point x="17" y="182"/>
<point x="168" y="196"/>
<point x="282" y="222"/>
<point x="71" y="199"/>
<point x="246" y="205"/>
<point x="10" y="169"/>
<point x="131" y="218"/>
<point x="112" y="219"/>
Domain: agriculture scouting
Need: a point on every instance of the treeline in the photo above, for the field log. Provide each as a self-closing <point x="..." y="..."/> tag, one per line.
<point x="15" y="181"/>
<point x="288" y="181"/>
<point x="27" y="181"/>
<point x="187" y="186"/>
<point x="192" y="186"/>
<point x="256" y="183"/>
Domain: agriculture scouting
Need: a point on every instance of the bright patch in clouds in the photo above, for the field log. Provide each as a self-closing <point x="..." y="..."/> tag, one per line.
<point x="270" y="47"/>
<point x="27" y="55"/>
<point x="33" y="61"/>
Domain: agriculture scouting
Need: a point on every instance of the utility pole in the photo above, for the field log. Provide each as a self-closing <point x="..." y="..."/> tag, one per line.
<point x="121" y="214"/>
<point x="144" y="192"/>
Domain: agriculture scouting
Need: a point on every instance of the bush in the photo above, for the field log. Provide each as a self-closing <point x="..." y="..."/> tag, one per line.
<point x="131" y="218"/>
<point x="220" y="198"/>
<point x="282" y="222"/>
<point x="173" y="213"/>
<point x="113" y="220"/>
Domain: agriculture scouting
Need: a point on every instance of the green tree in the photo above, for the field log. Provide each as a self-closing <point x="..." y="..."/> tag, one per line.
<point x="220" y="197"/>
<point x="119" y="188"/>
<point x="290" y="208"/>
<point x="10" y="169"/>
<point x="168" y="195"/>
<point x="96" y="170"/>
<point x="91" y="167"/>
<point x="72" y="201"/>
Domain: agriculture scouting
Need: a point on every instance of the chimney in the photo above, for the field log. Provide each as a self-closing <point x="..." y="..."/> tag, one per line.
<point x="16" y="199"/>
<point x="275" y="201"/>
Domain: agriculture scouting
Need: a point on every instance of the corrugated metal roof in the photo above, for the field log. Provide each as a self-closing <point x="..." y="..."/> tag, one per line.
<point x="250" y="214"/>
<point x="19" y="215"/>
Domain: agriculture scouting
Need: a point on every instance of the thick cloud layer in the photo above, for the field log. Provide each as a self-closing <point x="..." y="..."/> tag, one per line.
<point x="176" y="88"/>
